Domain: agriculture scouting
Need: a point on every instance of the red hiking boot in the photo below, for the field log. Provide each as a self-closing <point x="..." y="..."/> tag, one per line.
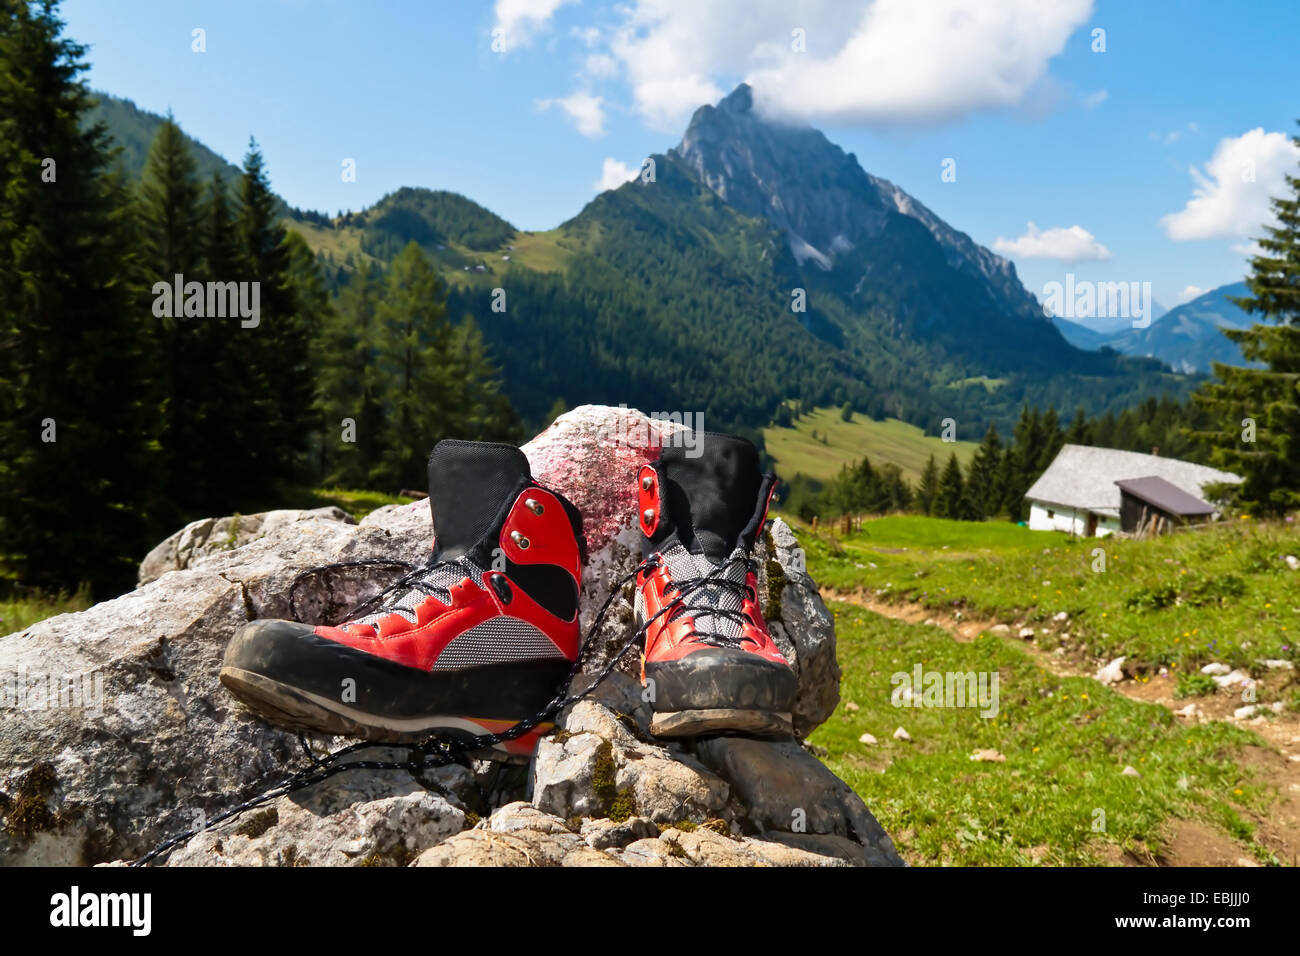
<point x="478" y="639"/>
<point x="709" y="661"/>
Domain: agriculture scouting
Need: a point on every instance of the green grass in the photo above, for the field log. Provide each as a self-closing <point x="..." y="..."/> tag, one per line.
<point x="1219" y="594"/>
<point x="889" y="441"/>
<point x="21" y="610"/>
<point x="548" y="251"/>
<point x="356" y="503"/>
<point x="990" y="384"/>
<point x="1065" y="740"/>
<point x="339" y="243"/>
<point x="542" y="251"/>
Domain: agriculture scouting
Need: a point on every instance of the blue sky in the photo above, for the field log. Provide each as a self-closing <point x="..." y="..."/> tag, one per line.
<point x="1150" y="161"/>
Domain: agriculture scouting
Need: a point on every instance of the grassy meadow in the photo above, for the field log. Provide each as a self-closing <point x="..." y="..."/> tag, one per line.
<point x="1068" y="771"/>
<point x="839" y="443"/>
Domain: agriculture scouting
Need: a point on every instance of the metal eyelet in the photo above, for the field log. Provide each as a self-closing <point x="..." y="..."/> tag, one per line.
<point x="520" y="540"/>
<point x="533" y="505"/>
<point x="647" y="482"/>
<point x="648" y="516"/>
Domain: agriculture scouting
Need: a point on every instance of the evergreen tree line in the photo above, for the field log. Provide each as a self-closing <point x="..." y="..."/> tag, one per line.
<point x="994" y="482"/>
<point x="120" y="417"/>
<point x="123" y="415"/>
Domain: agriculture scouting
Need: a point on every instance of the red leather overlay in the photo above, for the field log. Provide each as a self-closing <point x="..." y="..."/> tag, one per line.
<point x="436" y="625"/>
<point x="669" y="637"/>
<point x="648" y="499"/>
<point x="548" y="535"/>
<point x="536" y="531"/>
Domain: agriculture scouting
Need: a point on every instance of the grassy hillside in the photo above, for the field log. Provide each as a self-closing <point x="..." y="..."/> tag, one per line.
<point x="133" y="129"/>
<point x="886" y="442"/>
<point x="1181" y="773"/>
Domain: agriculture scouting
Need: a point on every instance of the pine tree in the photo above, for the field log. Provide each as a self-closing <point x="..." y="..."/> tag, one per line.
<point x="1079" y="431"/>
<point x="948" y="502"/>
<point x="170" y="213"/>
<point x="278" y="379"/>
<point x="171" y="243"/>
<point x="348" y="393"/>
<point x="416" y="379"/>
<point x="983" y="493"/>
<point x="481" y="410"/>
<point x="897" y="493"/>
<point x="1027" y="451"/>
<point x="928" y="487"/>
<point x="1051" y="439"/>
<point x="77" y="428"/>
<point x="1266" y="455"/>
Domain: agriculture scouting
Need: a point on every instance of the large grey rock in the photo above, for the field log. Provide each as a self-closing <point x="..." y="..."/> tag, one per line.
<point x="785" y="789"/>
<point x="150" y="743"/>
<point x="801" y="625"/>
<point x="521" y="835"/>
<point x="355" y="819"/>
<point x="596" y="768"/>
<point x="209" y="536"/>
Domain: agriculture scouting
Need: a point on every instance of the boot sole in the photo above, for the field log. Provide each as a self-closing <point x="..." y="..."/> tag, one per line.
<point x="698" y="723"/>
<point x="298" y="709"/>
<point x="714" y="691"/>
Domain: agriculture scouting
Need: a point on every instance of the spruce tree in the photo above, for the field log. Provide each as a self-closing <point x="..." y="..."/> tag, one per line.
<point x="414" y="346"/>
<point x="1079" y="431"/>
<point x="481" y="409"/>
<point x="1256" y="411"/>
<point x="928" y="487"/>
<point x="171" y="243"/>
<point x="348" y="391"/>
<point x="1051" y="439"/>
<point x="77" y="428"/>
<point x="1023" y="460"/>
<point x="949" y="501"/>
<point x="278" y="379"/>
<point x="983" y="493"/>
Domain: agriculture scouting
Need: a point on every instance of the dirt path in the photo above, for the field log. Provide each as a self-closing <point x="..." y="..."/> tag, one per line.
<point x="1188" y="842"/>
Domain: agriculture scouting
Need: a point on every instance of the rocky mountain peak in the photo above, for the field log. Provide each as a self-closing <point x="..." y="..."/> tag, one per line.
<point x="819" y="196"/>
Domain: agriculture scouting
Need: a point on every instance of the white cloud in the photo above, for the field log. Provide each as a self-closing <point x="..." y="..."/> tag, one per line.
<point x="615" y="173"/>
<point x="870" y="61"/>
<point x="1072" y="244"/>
<point x="1190" y="293"/>
<point x="520" y="20"/>
<point x="586" y="112"/>
<point x="601" y="65"/>
<point x="1095" y="99"/>
<point x="1174" y="135"/>
<point x="589" y="36"/>
<point x="1231" y="197"/>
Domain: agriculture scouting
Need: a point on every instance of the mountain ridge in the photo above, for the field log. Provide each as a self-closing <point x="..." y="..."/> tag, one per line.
<point x="1187" y="338"/>
<point x="761" y="265"/>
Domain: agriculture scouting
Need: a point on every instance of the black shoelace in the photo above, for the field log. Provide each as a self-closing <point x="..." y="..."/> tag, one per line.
<point x="717" y="580"/>
<point x="435" y="751"/>
<point x="415" y="580"/>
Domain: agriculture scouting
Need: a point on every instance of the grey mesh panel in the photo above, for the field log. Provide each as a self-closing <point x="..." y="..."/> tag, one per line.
<point x="683" y="564"/>
<point x="495" y="641"/>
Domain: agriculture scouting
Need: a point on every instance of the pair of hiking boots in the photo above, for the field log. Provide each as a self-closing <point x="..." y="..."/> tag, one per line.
<point x="486" y="634"/>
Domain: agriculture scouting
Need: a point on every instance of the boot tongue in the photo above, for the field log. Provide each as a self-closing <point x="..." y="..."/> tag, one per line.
<point x="469" y="483"/>
<point x="713" y="496"/>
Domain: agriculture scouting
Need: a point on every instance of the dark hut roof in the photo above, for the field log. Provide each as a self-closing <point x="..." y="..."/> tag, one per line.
<point x="1169" y="498"/>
